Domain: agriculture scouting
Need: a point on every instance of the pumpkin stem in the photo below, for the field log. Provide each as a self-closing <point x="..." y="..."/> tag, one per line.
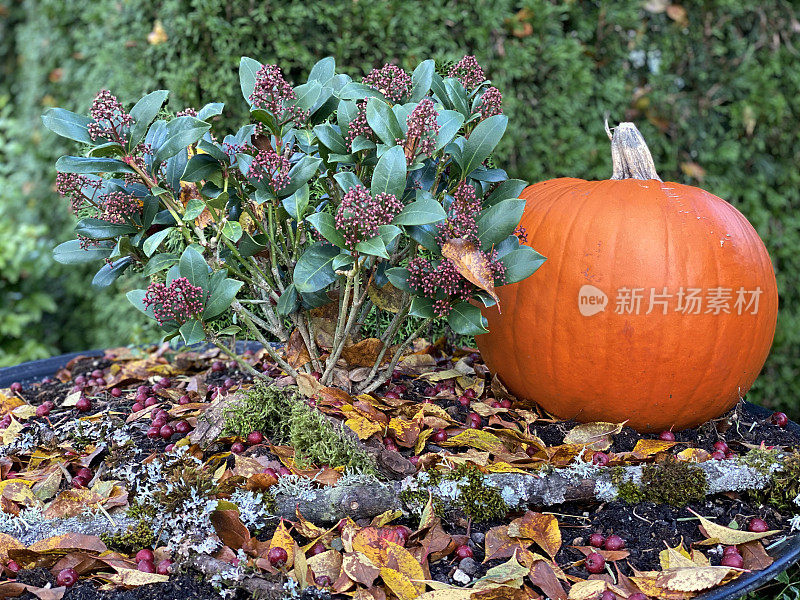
<point x="630" y="155"/>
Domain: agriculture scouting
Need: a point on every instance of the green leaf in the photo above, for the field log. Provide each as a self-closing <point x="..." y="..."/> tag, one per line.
<point x="521" y="263"/>
<point x="143" y="113"/>
<point x="159" y="262"/>
<point x="373" y="247"/>
<point x="347" y="180"/>
<point x="425" y="236"/>
<point x="457" y="95"/>
<point x="71" y="253"/>
<point x="421" y="307"/>
<point x="300" y="173"/>
<point x="307" y="95"/>
<point x="194" y="208"/>
<point x="193" y="266"/>
<point x="510" y="188"/>
<point x="109" y="274"/>
<point x="313" y="271"/>
<point x="200" y="166"/>
<point x="331" y="139"/>
<point x="221" y="297"/>
<point x="182" y="132"/>
<point x="421" y="79"/>
<point x="326" y="225"/>
<point x="361" y="143"/>
<point x="383" y="122"/>
<point x="85" y="164"/>
<point x="398" y="277"/>
<point x="324" y="70"/>
<point x="136" y="297"/>
<point x="248" y="71"/>
<point x="466" y="319"/>
<point x="297" y="204"/>
<point x="68" y="124"/>
<point x="251" y="245"/>
<point x="449" y="122"/>
<point x="109" y="149"/>
<point x="482" y="141"/>
<point x="345" y="113"/>
<point x="230" y="330"/>
<point x="358" y="91"/>
<point x="100" y="230"/>
<point x="389" y="233"/>
<point x="437" y="86"/>
<point x="152" y="243"/>
<point x="497" y="222"/>
<point x="212" y="109"/>
<point x="389" y="175"/>
<point x="232" y="230"/>
<point x="289" y="301"/>
<point x="426" y="209"/>
<point x="192" y="332"/>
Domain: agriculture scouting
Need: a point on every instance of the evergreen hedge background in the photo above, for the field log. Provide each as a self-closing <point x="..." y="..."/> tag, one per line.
<point x="713" y="86"/>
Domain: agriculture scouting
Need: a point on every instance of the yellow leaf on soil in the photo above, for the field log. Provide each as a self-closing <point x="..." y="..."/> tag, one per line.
<point x="727" y="536"/>
<point x="477" y="438"/>
<point x="363" y="427"/>
<point x="588" y="589"/>
<point x="693" y="579"/>
<point x="542" y="529"/>
<point x="282" y="539"/>
<point x="596" y="436"/>
<point x="400" y="584"/>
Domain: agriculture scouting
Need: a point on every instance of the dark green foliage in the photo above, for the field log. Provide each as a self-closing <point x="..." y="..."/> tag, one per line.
<point x="283" y="417"/>
<point x="720" y="91"/>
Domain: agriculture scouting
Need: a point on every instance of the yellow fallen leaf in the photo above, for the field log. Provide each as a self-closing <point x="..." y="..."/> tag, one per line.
<point x="694" y="578"/>
<point x="399" y="583"/>
<point x="727" y="536"/>
<point x="328" y="564"/>
<point x="588" y="589"/>
<point x="26" y="411"/>
<point x="646" y="447"/>
<point x="447" y="594"/>
<point x="477" y="438"/>
<point x="472" y="264"/>
<point x="134" y="577"/>
<point x="542" y="529"/>
<point x="282" y="539"/>
<point x="363" y="427"/>
<point x="675" y="557"/>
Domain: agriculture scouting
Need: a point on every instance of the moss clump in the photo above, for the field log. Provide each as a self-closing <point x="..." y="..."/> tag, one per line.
<point x="286" y="419"/>
<point x="141" y="535"/>
<point x="670" y="482"/>
<point x="784" y="485"/>
<point x="464" y="488"/>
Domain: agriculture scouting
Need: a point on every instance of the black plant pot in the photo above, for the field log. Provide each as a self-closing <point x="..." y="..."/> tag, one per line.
<point x="786" y="553"/>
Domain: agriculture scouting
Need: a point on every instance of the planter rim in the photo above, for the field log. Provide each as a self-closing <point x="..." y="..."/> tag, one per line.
<point x="785" y="554"/>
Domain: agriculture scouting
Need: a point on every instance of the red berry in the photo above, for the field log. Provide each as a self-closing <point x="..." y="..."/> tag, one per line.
<point x="159" y="422"/>
<point x="13" y="567"/>
<point x="717" y="455"/>
<point x="316" y="375"/>
<point x="390" y="444"/>
<point x="732" y="560"/>
<point x="16" y="387"/>
<point x="595" y="563"/>
<point x="597" y="540"/>
<point x="323" y="581"/>
<point x="164" y="567"/>
<point x="600" y="459"/>
<point x="495" y="404"/>
<point x="83" y="405"/>
<point x="237" y="447"/>
<point x="165" y="382"/>
<point x="667" y="436"/>
<point x="217" y="365"/>
<point x="392" y="395"/>
<point x="101" y="381"/>
<point x="44" y="409"/>
<point x="317" y="548"/>
<point x="465" y="552"/>
<point x="469" y="393"/>
<point x="150" y="401"/>
<point x="757" y="525"/>
<point x="255" y="437"/>
<point x="730" y="454"/>
<point x="721" y="446"/>
<point x="145" y="554"/>
<point x="183" y="427"/>
<point x="277" y="556"/>
<point x="153" y="432"/>
<point x="505" y="403"/>
<point x="85" y="473"/>
<point x="439" y="436"/>
<point x="166" y="432"/>
<point x="780" y="419"/>
<point x="608" y="595"/>
<point x="184" y="399"/>
<point x="474" y="421"/>
<point x="464" y="401"/>
<point x="614" y="542"/>
<point x="271" y="472"/>
<point x="730" y="550"/>
<point x="66" y="578"/>
<point x="531" y="450"/>
<point x="137" y="407"/>
<point x="414" y="460"/>
<point x="146" y="566"/>
<point x="116" y="392"/>
<point x="284" y="471"/>
<point x="80" y="380"/>
<point x="169" y="447"/>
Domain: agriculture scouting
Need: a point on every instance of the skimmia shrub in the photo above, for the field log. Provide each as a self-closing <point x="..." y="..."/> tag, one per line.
<point x="349" y="193"/>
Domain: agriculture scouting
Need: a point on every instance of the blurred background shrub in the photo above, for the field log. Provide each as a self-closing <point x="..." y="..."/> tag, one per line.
<point x="713" y="86"/>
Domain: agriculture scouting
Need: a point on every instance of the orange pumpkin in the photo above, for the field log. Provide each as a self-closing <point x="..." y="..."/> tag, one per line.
<point x="657" y="304"/>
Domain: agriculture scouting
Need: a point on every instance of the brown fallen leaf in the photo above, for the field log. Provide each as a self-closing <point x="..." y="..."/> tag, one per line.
<point x="230" y="528"/>
<point x="360" y="568"/>
<point x="754" y="556"/>
<point x="595" y="436"/>
<point x="472" y="264"/>
<point x="695" y="578"/>
<point x="544" y="577"/>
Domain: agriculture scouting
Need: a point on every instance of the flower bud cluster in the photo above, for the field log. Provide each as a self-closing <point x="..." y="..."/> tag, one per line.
<point x="276" y="96"/>
<point x="110" y="120"/>
<point x="391" y="81"/>
<point x="360" y="214"/>
<point x="423" y="130"/>
<point x="268" y="163"/>
<point x="491" y="103"/>
<point x="179" y="301"/>
<point x="468" y="72"/>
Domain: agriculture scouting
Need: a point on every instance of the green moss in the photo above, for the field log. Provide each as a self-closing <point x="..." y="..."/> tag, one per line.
<point x="784" y="485"/>
<point x="286" y="419"/>
<point x="670" y="482"/>
<point x="761" y="459"/>
<point x="141" y="535"/>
